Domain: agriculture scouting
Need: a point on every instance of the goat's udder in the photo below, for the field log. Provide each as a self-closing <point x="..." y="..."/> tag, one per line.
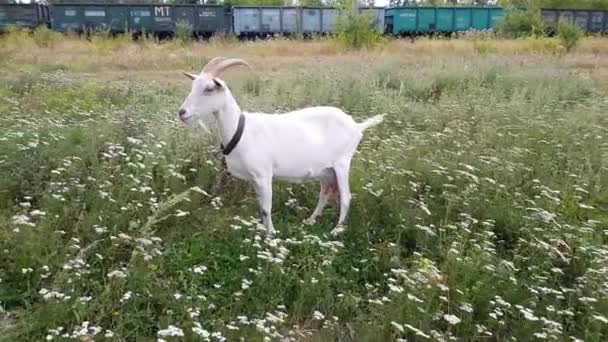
<point x="331" y="189"/>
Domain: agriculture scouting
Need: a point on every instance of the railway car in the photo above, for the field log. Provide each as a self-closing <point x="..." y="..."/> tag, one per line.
<point x="423" y="20"/>
<point x="285" y="20"/>
<point x="27" y="16"/>
<point x="159" y="19"/>
<point x="594" y="21"/>
<point x="80" y="17"/>
<point x="266" y="20"/>
<point x="117" y="16"/>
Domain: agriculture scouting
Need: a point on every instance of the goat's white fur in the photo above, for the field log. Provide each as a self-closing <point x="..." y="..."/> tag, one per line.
<point x="310" y="143"/>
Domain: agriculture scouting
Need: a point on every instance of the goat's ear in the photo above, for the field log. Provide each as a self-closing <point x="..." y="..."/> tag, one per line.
<point x="189" y="75"/>
<point x="218" y="84"/>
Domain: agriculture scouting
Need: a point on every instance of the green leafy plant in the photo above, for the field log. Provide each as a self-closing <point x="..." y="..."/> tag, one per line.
<point x="44" y="37"/>
<point x="569" y="34"/>
<point x="357" y="30"/>
<point x="183" y="31"/>
<point x="518" y="24"/>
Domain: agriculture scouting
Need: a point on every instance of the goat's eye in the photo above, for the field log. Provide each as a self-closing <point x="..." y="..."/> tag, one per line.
<point x="208" y="90"/>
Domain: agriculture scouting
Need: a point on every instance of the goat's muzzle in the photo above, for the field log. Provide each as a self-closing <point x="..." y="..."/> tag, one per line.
<point x="183" y="114"/>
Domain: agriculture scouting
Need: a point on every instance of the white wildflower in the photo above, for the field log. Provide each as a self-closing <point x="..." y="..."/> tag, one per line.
<point x="180" y="213"/>
<point x="318" y="316"/>
<point x="22" y="220"/>
<point x="198" y="329"/>
<point x="395" y="288"/>
<point x="199" y="269"/>
<point x="37" y="213"/>
<point x="453" y="320"/>
<point x="117" y="274"/>
<point x="398" y="326"/>
<point x="126" y="296"/>
<point x="416" y="331"/>
<point x="466" y="307"/>
<point x="171" y="331"/>
<point x="601" y="318"/>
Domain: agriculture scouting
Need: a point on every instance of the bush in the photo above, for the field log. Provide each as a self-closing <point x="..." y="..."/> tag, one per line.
<point x="357" y="30"/>
<point x="183" y="31"/>
<point x="569" y="34"/>
<point x="16" y="36"/>
<point x="543" y="45"/>
<point x="44" y="37"/>
<point x="518" y="24"/>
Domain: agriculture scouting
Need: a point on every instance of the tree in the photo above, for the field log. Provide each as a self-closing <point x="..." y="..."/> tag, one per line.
<point x="254" y="2"/>
<point x="397" y="3"/>
<point x="310" y="3"/>
<point x="595" y="4"/>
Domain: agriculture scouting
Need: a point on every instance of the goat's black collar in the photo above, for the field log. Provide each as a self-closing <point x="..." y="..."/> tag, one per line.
<point x="236" y="137"/>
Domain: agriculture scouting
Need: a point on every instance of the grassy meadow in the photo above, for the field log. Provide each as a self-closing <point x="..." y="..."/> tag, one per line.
<point x="479" y="211"/>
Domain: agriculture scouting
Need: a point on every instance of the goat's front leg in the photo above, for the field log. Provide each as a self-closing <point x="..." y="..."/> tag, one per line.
<point x="263" y="188"/>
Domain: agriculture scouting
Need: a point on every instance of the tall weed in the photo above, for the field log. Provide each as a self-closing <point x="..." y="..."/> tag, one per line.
<point x="105" y="42"/>
<point x="483" y="46"/>
<point x="544" y="45"/>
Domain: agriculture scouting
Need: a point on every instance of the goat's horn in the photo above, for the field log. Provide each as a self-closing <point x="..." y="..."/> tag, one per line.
<point x="211" y="63"/>
<point x="223" y="65"/>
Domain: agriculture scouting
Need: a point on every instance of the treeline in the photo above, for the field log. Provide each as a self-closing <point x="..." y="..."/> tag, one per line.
<point x="579" y="4"/>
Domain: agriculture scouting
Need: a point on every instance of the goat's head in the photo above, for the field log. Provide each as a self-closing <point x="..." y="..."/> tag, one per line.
<point x="208" y="94"/>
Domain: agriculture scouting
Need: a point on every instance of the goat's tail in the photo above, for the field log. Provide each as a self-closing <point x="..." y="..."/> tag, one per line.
<point x="371" y="122"/>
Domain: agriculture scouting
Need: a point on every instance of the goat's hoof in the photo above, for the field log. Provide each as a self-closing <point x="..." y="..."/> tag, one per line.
<point x="338" y="230"/>
<point x="310" y="221"/>
<point x="271" y="233"/>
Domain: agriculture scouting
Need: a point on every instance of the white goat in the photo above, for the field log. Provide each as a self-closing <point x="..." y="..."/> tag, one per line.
<point x="311" y="143"/>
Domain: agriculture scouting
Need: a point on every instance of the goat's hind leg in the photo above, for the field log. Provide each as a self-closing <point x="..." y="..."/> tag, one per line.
<point x="342" y="177"/>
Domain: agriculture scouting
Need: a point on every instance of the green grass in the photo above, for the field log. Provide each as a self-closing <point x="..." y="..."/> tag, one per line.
<point x="479" y="210"/>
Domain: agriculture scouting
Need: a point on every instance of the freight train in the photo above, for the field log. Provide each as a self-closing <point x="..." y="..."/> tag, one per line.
<point x="242" y="21"/>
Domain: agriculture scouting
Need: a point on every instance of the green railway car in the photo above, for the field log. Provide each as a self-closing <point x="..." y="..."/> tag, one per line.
<point x="27" y="16"/>
<point x="83" y="17"/>
<point x="205" y="19"/>
<point x="152" y="18"/>
<point x="420" y="20"/>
